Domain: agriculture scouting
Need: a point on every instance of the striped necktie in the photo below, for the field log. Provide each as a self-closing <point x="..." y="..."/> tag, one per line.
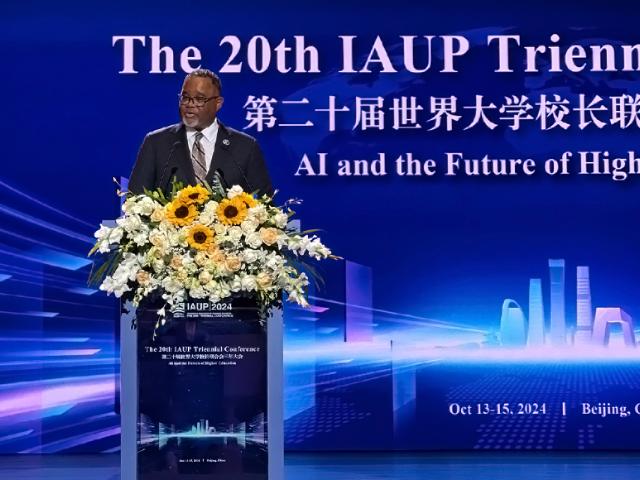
<point x="198" y="160"/>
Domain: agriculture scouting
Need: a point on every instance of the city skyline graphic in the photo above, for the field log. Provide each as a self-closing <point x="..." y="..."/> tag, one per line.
<point x="591" y="330"/>
<point x="559" y="347"/>
<point x="242" y="433"/>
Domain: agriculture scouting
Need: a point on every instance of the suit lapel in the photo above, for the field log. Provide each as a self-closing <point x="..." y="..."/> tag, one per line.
<point x="183" y="155"/>
<point x="221" y="159"/>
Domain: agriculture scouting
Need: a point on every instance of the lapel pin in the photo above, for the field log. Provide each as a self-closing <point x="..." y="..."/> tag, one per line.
<point x="226" y="142"/>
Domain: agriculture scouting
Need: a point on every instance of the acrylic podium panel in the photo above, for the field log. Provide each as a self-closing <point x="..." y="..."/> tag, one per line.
<point x="204" y="399"/>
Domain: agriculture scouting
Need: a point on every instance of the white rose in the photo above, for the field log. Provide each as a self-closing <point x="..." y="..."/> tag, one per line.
<point x="141" y="237"/>
<point x="274" y="262"/>
<point x="235" y="234"/>
<point x="157" y="265"/>
<point x="207" y="218"/>
<point x="253" y="240"/>
<point x="174" y="237"/>
<point x="280" y="220"/>
<point x="234" y="191"/>
<point x="131" y="223"/>
<point x="250" y="256"/>
<point x="197" y="292"/>
<point x="189" y="264"/>
<point x="210" y="207"/>
<point x="248" y="226"/>
<point x="220" y="229"/>
<point x="129" y="203"/>
<point x="249" y="283"/>
<point x="258" y="213"/>
<point x="171" y="285"/>
<point x="145" y="206"/>
<point x="219" y="290"/>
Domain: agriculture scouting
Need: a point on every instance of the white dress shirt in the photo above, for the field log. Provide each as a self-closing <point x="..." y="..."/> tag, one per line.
<point x="208" y="140"/>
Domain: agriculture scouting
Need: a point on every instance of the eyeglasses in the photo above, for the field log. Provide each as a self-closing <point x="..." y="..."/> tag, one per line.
<point x="196" y="101"/>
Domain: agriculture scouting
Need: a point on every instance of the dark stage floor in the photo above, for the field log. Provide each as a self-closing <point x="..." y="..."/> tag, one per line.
<point x="441" y="466"/>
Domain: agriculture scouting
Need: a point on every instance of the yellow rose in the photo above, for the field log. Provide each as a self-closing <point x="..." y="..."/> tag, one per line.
<point x="205" y="277"/>
<point x="156" y="239"/>
<point x="201" y="259"/>
<point x="218" y="257"/>
<point x="158" y="215"/>
<point x="269" y="235"/>
<point x="233" y="263"/>
<point x="157" y="265"/>
<point x="263" y="280"/>
<point x="176" y="262"/>
<point x="182" y="275"/>
<point x="143" y="278"/>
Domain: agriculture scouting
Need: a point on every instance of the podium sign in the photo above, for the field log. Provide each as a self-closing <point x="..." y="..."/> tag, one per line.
<point x="202" y="398"/>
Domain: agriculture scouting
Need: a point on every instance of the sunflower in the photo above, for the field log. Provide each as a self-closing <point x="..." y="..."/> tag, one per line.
<point x="232" y="212"/>
<point x="200" y="237"/>
<point x="248" y="200"/>
<point x="197" y="194"/>
<point x="181" y="213"/>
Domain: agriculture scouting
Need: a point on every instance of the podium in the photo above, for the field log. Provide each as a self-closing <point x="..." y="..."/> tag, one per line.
<point x="202" y="399"/>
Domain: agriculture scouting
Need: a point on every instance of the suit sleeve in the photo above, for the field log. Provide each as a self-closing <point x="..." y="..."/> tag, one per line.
<point x="257" y="172"/>
<point x="143" y="174"/>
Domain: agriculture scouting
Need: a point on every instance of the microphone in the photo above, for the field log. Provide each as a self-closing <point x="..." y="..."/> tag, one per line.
<point x="171" y="174"/>
<point x="218" y="173"/>
<point x="162" y="183"/>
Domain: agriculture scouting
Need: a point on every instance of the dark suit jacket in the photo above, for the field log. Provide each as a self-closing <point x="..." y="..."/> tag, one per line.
<point x="164" y="154"/>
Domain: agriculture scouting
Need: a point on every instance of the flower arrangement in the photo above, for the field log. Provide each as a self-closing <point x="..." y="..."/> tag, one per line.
<point x="205" y="242"/>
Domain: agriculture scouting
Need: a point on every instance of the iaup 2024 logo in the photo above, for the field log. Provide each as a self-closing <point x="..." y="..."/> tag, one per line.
<point x="200" y="308"/>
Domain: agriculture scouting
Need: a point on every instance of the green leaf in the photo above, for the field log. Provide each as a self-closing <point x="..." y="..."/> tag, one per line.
<point x="216" y="186"/>
<point x="105" y="269"/>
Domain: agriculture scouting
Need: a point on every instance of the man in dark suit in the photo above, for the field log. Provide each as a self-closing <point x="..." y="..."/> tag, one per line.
<point x="199" y="146"/>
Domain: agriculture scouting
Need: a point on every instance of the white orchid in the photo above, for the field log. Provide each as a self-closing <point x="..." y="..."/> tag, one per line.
<point x="280" y="219"/>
